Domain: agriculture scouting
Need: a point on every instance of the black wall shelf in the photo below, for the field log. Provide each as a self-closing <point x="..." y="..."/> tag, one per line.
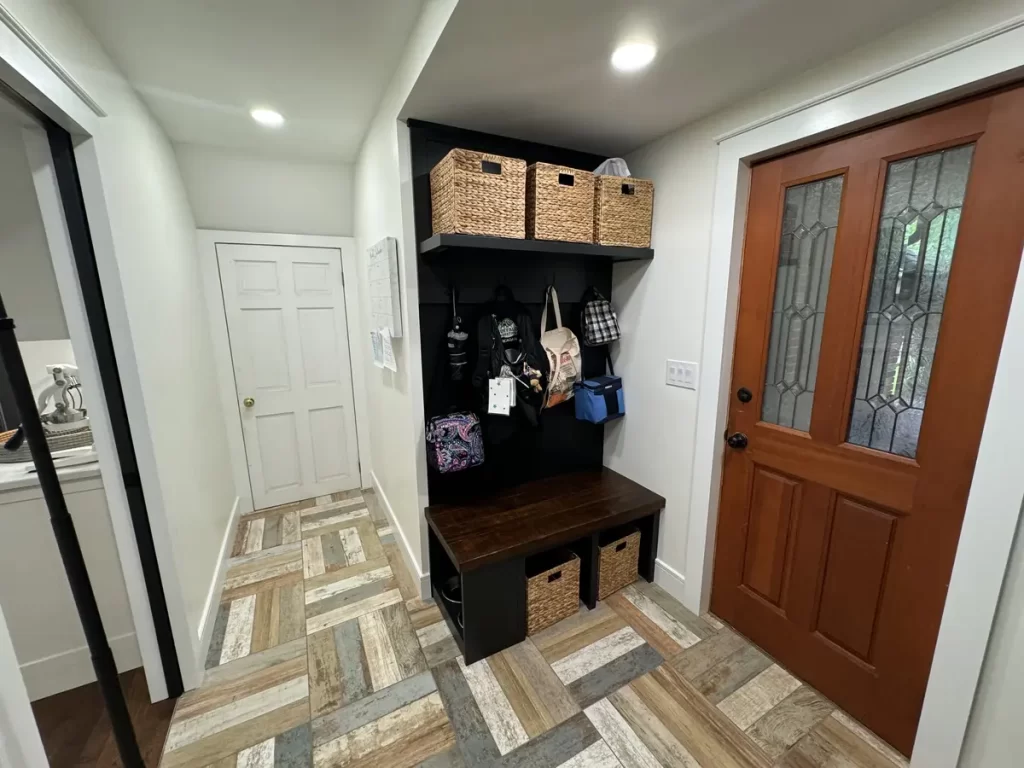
<point x="441" y="244"/>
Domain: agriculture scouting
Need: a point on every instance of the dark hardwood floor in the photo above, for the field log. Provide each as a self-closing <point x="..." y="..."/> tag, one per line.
<point x="76" y="731"/>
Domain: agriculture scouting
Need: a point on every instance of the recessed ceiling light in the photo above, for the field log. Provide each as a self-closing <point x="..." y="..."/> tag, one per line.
<point x="267" y="117"/>
<point x="633" y="57"/>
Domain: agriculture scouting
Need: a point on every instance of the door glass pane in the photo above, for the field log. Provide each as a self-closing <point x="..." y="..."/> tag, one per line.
<point x="809" y="221"/>
<point x="916" y="237"/>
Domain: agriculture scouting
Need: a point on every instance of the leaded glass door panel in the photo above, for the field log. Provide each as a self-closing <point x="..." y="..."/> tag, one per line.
<point x="877" y="277"/>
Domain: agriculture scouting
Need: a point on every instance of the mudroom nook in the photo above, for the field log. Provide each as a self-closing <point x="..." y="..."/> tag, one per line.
<point x="540" y="493"/>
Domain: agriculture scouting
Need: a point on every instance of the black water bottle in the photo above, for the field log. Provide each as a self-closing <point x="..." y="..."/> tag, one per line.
<point x="458" y="357"/>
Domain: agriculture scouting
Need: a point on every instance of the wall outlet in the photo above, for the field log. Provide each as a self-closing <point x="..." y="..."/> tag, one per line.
<point x="679" y="373"/>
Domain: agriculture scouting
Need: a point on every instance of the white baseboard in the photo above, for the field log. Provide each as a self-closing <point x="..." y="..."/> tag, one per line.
<point x="669" y="579"/>
<point x="407" y="551"/>
<point x="212" y="604"/>
<point x="70" y="669"/>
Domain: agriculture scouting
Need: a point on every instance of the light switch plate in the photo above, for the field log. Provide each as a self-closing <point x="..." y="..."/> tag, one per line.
<point x="679" y="373"/>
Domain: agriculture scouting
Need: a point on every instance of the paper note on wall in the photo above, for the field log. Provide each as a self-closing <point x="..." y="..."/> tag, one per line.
<point x="385" y="296"/>
<point x="388" y="350"/>
<point x="378" y="348"/>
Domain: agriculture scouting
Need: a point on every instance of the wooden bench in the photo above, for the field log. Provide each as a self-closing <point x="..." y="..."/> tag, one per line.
<point x="485" y="545"/>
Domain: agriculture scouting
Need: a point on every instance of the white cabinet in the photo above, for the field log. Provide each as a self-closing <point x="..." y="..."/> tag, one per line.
<point x="34" y="591"/>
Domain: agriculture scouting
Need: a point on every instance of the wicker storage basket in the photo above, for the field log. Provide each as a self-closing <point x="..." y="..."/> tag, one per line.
<point x="623" y="208"/>
<point x="552" y="589"/>
<point x="559" y="203"/>
<point x="619" y="561"/>
<point x="472" y="193"/>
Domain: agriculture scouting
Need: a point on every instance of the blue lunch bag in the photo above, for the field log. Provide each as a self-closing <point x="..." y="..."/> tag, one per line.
<point x="599" y="400"/>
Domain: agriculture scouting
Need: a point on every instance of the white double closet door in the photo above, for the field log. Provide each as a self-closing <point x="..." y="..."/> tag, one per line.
<point x="287" y="328"/>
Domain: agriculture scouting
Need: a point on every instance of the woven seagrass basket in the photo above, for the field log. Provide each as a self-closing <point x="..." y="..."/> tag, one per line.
<point x="619" y="561"/>
<point x="559" y="203"/>
<point x="623" y="208"/>
<point x="553" y="593"/>
<point x="472" y="193"/>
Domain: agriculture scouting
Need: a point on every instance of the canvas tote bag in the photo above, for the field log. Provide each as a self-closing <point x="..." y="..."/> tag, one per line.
<point x="563" y="352"/>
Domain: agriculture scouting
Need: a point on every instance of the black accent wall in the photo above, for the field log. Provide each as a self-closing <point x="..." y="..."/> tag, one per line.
<point x="561" y="443"/>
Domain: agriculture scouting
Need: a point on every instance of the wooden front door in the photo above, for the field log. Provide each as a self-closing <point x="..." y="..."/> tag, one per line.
<point x="877" y="277"/>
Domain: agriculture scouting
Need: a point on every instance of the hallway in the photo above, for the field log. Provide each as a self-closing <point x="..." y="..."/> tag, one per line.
<point x="324" y="655"/>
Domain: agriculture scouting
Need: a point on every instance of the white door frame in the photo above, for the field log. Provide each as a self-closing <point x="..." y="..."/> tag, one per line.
<point x="967" y="66"/>
<point x="59" y="247"/>
<point x="208" y="239"/>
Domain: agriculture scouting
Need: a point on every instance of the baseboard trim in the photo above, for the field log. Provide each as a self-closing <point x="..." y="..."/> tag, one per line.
<point x="210" y="608"/>
<point x="72" y="668"/>
<point x="669" y="579"/>
<point x="407" y="551"/>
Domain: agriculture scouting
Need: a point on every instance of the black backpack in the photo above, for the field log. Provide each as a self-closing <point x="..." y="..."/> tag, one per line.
<point x="506" y="340"/>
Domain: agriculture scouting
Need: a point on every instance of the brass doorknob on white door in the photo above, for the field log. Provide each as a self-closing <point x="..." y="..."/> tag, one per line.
<point x="248" y="402"/>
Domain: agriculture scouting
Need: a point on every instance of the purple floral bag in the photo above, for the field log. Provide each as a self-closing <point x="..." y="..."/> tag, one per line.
<point x="455" y="442"/>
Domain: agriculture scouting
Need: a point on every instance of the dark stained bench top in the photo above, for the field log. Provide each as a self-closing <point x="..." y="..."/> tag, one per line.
<point x="539" y="515"/>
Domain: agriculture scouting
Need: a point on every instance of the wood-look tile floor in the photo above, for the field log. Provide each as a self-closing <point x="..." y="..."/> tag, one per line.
<point x="323" y="655"/>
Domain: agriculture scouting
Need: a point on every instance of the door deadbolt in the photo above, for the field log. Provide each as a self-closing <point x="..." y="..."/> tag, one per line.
<point x="744" y="395"/>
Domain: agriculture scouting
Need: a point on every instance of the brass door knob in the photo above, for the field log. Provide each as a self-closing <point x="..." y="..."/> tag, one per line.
<point x="248" y="402"/>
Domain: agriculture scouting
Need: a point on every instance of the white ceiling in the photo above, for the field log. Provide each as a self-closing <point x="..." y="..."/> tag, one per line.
<point x="539" y="69"/>
<point x="201" y="65"/>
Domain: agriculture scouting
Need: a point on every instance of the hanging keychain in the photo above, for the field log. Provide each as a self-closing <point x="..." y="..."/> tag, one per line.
<point x="457" y="356"/>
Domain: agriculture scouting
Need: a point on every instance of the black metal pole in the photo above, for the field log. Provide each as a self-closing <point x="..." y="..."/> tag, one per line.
<point x="70" y="549"/>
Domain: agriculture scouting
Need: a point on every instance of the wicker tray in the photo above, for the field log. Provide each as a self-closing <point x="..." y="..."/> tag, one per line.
<point x="553" y="593"/>
<point x="472" y="193"/>
<point x="63" y="441"/>
<point x="619" y="563"/>
<point x="559" y="203"/>
<point x="623" y="208"/>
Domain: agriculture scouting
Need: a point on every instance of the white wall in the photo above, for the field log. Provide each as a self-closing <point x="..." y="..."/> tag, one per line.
<point x="662" y="304"/>
<point x="250" y="193"/>
<point x="383" y="208"/>
<point x="27" y="283"/>
<point x="20" y="745"/>
<point x="993" y="735"/>
<point x="144" y="236"/>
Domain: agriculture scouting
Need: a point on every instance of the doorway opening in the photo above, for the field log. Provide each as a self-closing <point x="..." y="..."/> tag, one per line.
<point x="51" y="285"/>
<point x="283" y="311"/>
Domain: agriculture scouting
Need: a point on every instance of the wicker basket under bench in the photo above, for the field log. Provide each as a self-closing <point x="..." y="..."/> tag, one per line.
<point x="552" y="588"/>
<point x="619" y="560"/>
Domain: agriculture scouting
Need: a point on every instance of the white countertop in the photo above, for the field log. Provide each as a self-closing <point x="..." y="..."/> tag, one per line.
<point x="15" y="476"/>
